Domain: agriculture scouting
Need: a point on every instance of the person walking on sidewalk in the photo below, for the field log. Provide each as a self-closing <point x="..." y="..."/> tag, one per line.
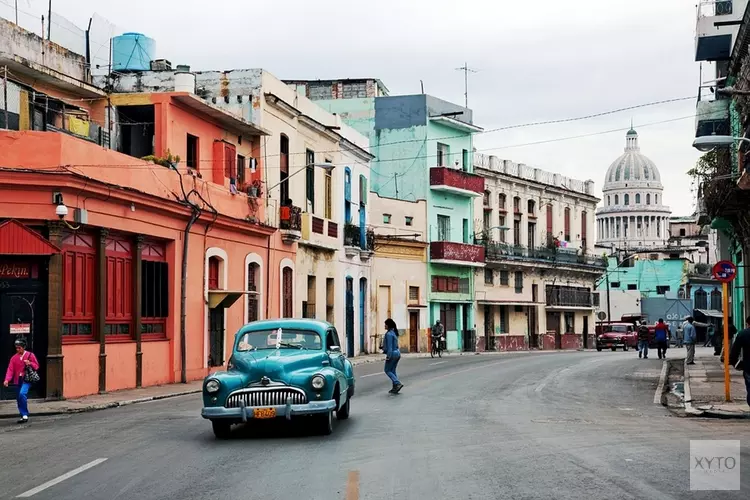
<point x="709" y="336"/>
<point x="18" y="374"/>
<point x="643" y="341"/>
<point x="662" y="338"/>
<point x="741" y="347"/>
<point x="392" y="355"/>
<point x="691" y="337"/>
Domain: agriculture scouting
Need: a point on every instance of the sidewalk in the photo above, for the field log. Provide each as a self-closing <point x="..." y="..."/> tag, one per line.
<point x="704" y="388"/>
<point x="40" y="407"/>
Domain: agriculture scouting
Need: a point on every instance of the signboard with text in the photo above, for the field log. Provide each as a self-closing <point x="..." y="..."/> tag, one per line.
<point x="13" y="270"/>
<point x="724" y="271"/>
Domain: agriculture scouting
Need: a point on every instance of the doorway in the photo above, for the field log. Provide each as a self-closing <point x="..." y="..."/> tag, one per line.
<point x="585" y="331"/>
<point x="362" y="313"/>
<point x="216" y="337"/>
<point x="350" y="317"/>
<point x="413" y="331"/>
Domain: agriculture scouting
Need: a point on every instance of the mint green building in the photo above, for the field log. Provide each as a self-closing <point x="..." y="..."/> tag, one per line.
<point x="423" y="149"/>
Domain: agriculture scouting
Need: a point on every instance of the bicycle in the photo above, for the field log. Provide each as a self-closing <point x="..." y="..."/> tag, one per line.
<point x="436" y="347"/>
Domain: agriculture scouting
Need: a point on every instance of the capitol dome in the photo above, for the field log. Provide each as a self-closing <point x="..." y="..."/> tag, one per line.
<point x="632" y="214"/>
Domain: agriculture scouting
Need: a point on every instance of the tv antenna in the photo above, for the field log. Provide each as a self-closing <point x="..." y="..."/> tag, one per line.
<point x="466" y="69"/>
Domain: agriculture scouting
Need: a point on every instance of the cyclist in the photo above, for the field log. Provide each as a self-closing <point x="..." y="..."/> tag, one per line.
<point x="437" y="333"/>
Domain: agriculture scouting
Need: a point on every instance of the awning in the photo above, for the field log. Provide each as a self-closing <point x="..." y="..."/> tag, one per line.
<point x="711" y="313"/>
<point x="17" y="239"/>
<point x="221" y="299"/>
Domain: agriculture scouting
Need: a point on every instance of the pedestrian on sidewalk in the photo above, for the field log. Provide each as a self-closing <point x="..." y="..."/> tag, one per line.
<point x="679" y="335"/>
<point x="392" y="354"/>
<point x="709" y="336"/>
<point x="661" y="337"/>
<point x="643" y="341"/>
<point x="691" y="337"/>
<point x="741" y="350"/>
<point x="22" y="372"/>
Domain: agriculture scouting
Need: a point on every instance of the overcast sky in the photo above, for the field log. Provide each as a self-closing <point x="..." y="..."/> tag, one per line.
<point x="536" y="60"/>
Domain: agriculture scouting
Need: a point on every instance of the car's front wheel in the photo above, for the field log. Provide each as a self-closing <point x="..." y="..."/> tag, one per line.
<point x="343" y="412"/>
<point x="625" y="348"/>
<point x="325" y="423"/>
<point x="599" y="348"/>
<point x="222" y="430"/>
<point x="614" y="349"/>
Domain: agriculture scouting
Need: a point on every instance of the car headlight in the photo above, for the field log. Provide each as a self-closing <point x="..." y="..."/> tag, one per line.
<point x="599" y="337"/>
<point x="618" y="338"/>
<point x="212" y="386"/>
<point x="318" y="381"/>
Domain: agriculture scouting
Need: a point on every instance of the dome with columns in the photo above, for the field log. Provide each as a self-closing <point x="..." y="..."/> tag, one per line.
<point x="632" y="213"/>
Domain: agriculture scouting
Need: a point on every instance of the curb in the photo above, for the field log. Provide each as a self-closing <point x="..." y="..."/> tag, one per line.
<point x="688" y="394"/>
<point x="105" y="406"/>
<point x="710" y="413"/>
<point x="422" y="355"/>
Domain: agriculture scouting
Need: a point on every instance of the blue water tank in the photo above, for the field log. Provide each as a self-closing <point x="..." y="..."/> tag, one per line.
<point x="132" y="52"/>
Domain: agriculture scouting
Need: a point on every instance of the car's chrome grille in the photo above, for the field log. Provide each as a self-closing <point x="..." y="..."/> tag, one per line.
<point x="266" y="397"/>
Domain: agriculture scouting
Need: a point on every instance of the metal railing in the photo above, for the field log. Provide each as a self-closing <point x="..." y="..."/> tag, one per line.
<point x="505" y="251"/>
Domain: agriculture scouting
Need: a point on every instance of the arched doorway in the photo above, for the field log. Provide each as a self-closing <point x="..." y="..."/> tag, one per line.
<point x="362" y="313"/>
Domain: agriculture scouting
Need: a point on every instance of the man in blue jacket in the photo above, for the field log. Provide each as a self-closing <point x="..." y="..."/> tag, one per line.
<point x="662" y="337"/>
<point x="691" y="337"/>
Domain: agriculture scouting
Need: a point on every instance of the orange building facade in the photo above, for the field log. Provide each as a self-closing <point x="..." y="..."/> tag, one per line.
<point x="155" y="264"/>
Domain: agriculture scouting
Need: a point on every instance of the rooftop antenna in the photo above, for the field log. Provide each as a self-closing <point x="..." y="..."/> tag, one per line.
<point x="466" y="69"/>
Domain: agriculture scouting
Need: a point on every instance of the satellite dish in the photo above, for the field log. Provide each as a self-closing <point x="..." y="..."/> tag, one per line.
<point x="601" y="315"/>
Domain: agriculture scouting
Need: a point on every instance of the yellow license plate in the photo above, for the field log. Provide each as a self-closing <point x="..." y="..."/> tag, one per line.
<point x="264" y="413"/>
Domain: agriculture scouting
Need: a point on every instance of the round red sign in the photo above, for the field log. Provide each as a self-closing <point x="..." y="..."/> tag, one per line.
<point x="724" y="271"/>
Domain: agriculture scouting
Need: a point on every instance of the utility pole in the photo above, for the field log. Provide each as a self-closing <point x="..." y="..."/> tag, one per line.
<point x="395" y="180"/>
<point x="16" y="2"/>
<point x="5" y="97"/>
<point x="49" y="22"/>
<point x="466" y="69"/>
<point x="609" y="303"/>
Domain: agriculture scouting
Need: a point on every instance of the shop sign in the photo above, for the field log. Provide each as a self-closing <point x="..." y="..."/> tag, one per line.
<point x="20" y="328"/>
<point x="14" y="270"/>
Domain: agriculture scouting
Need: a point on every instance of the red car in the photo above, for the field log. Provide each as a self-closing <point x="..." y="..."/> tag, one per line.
<point x="616" y="335"/>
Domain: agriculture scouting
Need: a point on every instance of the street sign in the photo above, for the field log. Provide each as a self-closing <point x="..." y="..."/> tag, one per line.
<point x="602" y="315"/>
<point x="724" y="271"/>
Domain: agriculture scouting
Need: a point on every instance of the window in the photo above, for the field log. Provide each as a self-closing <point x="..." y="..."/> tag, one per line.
<point x="328" y="195"/>
<point x="661" y="290"/>
<point x="501" y="201"/>
<point x="466" y="230"/>
<point x="656" y="199"/>
<point x="609" y="200"/>
<point x="531" y="235"/>
<point x="287" y="281"/>
<point x="448" y="316"/>
<point x="154" y="290"/>
<point x="516" y="232"/>
<point x="716" y="304"/>
<point x="486" y="199"/>
<point x="550" y="228"/>
<point x="487" y="222"/>
<point x="637" y="198"/>
<point x="444" y="228"/>
<point x="332" y="339"/>
<point x="192" y="159"/>
<point x="465" y="155"/>
<point x="213" y="273"/>
<point x="362" y="190"/>
<point x="626" y="199"/>
<point x="614" y="284"/>
<point x="653" y="256"/>
<point x="230" y="162"/>
<point x="517" y="205"/>
<point x="241" y="171"/>
<point x="386" y="218"/>
<point x="119" y="312"/>
<point x="701" y="299"/>
<point x="447" y="284"/>
<point x="79" y="278"/>
<point x="413" y="295"/>
<point x="597" y="299"/>
<point x="253" y="302"/>
<point x="584" y="229"/>
<point x="632" y="286"/>
<point x="567" y="224"/>
<point x="617" y="199"/>
<point x="570" y="322"/>
<point x="502" y="231"/>
<point x="308" y="306"/>
<point x="443" y="154"/>
<point x="488" y="276"/>
<point x="347" y="195"/>
<point x="284" y="167"/>
<point x="519" y="282"/>
<point x="531" y="206"/>
<point x="682" y="232"/>
<point x="310" y="181"/>
<point x="408" y="220"/>
<point x="648" y="199"/>
<point x="504" y="319"/>
<point x="504" y="278"/>
<point x="330" y="299"/>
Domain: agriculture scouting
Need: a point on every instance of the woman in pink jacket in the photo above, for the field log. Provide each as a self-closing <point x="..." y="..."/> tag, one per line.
<point x="15" y="375"/>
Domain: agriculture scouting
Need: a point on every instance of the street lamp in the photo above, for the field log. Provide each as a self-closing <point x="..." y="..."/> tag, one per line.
<point x="708" y="142"/>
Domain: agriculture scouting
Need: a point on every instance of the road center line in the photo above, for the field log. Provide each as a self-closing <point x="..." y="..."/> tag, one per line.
<point x="437" y="363"/>
<point x="660" y="387"/>
<point x="62" y="478"/>
<point x="369" y="375"/>
<point x="352" y="485"/>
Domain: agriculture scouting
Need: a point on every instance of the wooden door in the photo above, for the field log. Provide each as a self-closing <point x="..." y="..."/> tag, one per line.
<point x="413" y="331"/>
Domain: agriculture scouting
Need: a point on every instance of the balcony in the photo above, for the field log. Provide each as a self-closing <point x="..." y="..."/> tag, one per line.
<point x="319" y="233"/>
<point x="457" y="254"/>
<point x="290" y="223"/>
<point x="711" y="115"/>
<point x="455" y="181"/>
<point x="504" y="252"/>
<point x="717" y="27"/>
<point x="358" y="242"/>
<point x="569" y="297"/>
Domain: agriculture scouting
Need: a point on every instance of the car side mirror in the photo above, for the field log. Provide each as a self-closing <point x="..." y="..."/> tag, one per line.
<point x="335" y="348"/>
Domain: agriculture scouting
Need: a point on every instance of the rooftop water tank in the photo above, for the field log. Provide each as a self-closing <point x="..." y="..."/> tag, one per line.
<point x="184" y="81"/>
<point x="132" y="52"/>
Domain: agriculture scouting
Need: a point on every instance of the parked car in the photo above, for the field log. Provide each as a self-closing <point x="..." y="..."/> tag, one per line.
<point x="616" y="335"/>
<point x="281" y="368"/>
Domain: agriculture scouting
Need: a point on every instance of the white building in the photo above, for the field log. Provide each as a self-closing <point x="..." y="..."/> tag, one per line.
<point x="632" y="214"/>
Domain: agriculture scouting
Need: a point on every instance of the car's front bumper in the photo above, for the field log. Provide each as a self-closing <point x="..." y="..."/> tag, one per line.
<point x="287" y="411"/>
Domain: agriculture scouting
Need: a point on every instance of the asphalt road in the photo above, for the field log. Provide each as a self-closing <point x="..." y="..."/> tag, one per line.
<point x="559" y="426"/>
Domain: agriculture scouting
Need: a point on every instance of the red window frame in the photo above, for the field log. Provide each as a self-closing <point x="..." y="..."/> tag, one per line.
<point x="213" y="273"/>
<point x="447" y="284"/>
<point x="78" y="288"/>
<point x="154" y="251"/>
<point x="118" y="318"/>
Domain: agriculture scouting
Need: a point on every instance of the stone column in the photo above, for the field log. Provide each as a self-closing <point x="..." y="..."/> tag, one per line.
<point x="137" y="313"/>
<point x="101" y="306"/>
<point x="54" y="315"/>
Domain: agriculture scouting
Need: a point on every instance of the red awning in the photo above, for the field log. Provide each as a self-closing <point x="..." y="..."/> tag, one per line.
<point x="17" y="239"/>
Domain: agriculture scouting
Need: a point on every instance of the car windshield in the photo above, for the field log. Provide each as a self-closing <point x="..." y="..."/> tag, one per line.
<point x="618" y="328"/>
<point x="268" y="339"/>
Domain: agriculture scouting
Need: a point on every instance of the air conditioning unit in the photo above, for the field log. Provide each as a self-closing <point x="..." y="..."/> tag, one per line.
<point x="724" y="8"/>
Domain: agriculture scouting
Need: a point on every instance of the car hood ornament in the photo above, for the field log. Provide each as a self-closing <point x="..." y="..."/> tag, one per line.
<point x="265" y="381"/>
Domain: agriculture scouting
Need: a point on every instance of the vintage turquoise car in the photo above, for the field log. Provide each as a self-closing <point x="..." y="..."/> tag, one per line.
<point x="281" y="368"/>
